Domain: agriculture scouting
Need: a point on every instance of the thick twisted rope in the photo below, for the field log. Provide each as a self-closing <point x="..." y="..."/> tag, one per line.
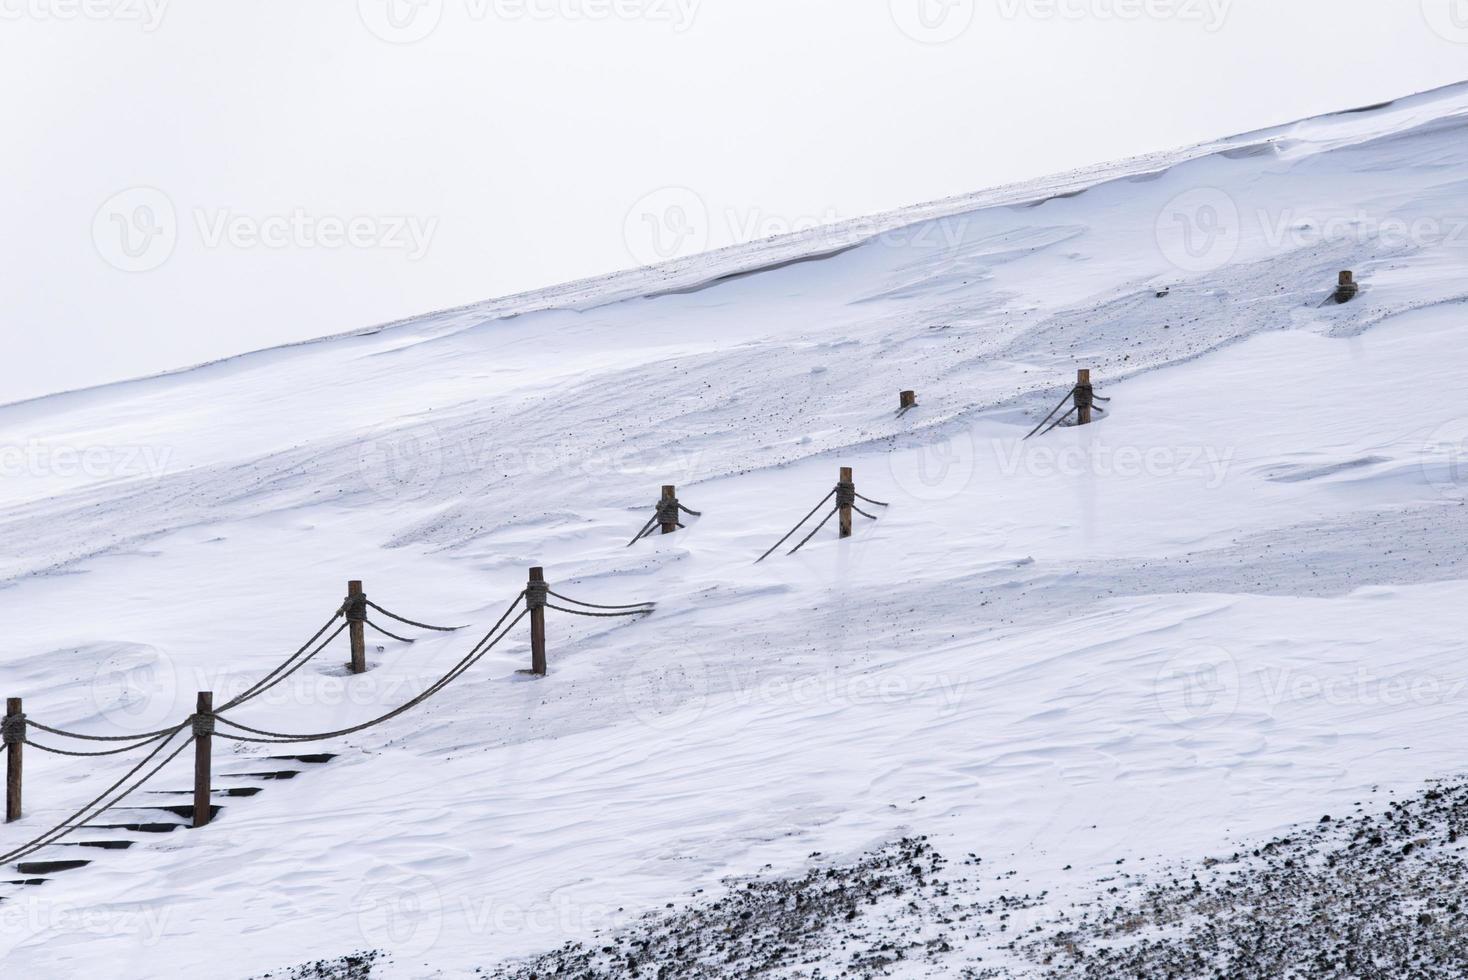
<point x="665" y="511"/>
<point x="96" y="808"/>
<point x="409" y="622"/>
<point x="142" y="737"/>
<point x="582" y="612"/>
<point x="797" y="528"/>
<point x="593" y="605"/>
<point x="290" y="665"/>
<point x="804" y="540"/>
<point x="1059" y="420"/>
<point x="1047" y="418"/>
<point x="12" y="729"/>
<point x="402" y="639"/>
<point x="646" y="530"/>
<point x="469" y="660"/>
<point x="117" y="751"/>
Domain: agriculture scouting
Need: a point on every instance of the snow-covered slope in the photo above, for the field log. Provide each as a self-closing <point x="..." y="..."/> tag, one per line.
<point x="1233" y="604"/>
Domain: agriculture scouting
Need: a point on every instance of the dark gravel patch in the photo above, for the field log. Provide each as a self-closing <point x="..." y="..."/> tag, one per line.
<point x="1364" y="895"/>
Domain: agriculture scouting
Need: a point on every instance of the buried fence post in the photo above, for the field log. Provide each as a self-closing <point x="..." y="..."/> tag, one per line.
<point x="535" y="594"/>
<point x="845" y="500"/>
<point x="668" y="509"/>
<point x="906" y="400"/>
<point x="203" y="726"/>
<point x="1085" y="396"/>
<point x="1347" y="288"/>
<point x="356" y="618"/>
<point x="14" y="735"/>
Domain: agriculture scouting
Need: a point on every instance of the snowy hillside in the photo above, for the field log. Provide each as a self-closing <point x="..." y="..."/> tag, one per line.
<point x="1231" y="606"/>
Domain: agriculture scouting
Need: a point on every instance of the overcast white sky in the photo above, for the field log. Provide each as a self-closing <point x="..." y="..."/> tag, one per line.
<point x="187" y="179"/>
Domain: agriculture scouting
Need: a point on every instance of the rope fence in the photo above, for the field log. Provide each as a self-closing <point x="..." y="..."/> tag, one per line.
<point x="846" y="497"/>
<point x="665" y="515"/>
<point x="352" y="617"/>
<point x="1083" y="398"/>
<point x="205" y="723"/>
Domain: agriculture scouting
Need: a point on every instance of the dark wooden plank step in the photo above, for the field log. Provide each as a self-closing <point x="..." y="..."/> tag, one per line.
<point x="48" y="867"/>
<point x="183" y="810"/>
<point x="27" y="881"/>
<point x="233" y="791"/>
<point x="107" y="845"/>
<point x="315" y="758"/>
<point x="282" y="774"/>
<point x="137" y="828"/>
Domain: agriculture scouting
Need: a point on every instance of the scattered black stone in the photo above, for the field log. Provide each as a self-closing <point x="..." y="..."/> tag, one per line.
<point x="890" y="907"/>
<point x="1375" y="895"/>
<point x="353" y="966"/>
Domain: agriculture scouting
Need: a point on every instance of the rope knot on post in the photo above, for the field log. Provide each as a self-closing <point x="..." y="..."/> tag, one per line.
<point x="13" y="729"/>
<point x="535" y="595"/>
<point x="667" y="510"/>
<point x="354" y="607"/>
<point x="1085" y="397"/>
<point x="202" y="723"/>
<point x="845" y="493"/>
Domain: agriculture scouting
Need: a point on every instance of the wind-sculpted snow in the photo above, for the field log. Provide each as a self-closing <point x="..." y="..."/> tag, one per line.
<point x="1223" y="609"/>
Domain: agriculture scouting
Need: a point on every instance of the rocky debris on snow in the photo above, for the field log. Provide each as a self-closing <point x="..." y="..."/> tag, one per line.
<point x="859" y="920"/>
<point x="353" y="966"/>
<point x="1365" y="895"/>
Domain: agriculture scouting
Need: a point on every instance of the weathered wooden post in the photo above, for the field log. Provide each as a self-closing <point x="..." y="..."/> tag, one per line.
<point x="14" y="738"/>
<point x="356" y="631"/>
<point x="668" y="509"/>
<point x="1347" y="288"/>
<point x="845" y="500"/>
<point x="1085" y="396"/>
<point x="535" y="596"/>
<point x="908" y="399"/>
<point x="203" y="726"/>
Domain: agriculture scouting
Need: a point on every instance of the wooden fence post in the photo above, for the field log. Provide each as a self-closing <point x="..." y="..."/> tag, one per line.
<point x="670" y="514"/>
<point x="535" y="594"/>
<point x="1084" y="396"/>
<point x="14" y="744"/>
<point x="356" y="631"/>
<point x="844" y="505"/>
<point x="1347" y="288"/>
<point x="908" y="400"/>
<point x="203" y="743"/>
